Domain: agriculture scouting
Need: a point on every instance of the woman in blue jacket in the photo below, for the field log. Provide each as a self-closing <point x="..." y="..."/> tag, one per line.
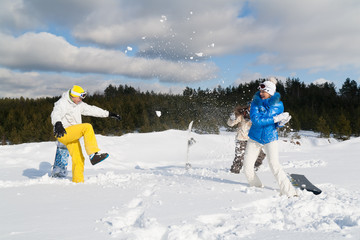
<point x="267" y="113"/>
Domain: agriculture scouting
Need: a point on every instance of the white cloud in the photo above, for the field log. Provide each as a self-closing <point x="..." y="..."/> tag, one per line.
<point x="47" y="52"/>
<point x="321" y="81"/>
<point x="176" y="41"/>
<point x="15" y="84"/>
<point x="15" y="17"/>
<point x="167" y="29"/>
<point x="315" y="35"/>
<point x="247" y="77"/>
<point x="119" y="34"/>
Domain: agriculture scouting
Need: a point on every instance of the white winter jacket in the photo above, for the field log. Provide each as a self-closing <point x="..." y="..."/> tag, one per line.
<point x="243" y="127"/>
<point x="69" y="113"/>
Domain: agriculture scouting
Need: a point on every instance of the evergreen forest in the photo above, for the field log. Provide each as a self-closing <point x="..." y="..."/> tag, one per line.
<point x="320" y="108"/>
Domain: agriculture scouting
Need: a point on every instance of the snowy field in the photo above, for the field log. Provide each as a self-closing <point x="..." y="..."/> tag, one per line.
<point x="142" y="191"/>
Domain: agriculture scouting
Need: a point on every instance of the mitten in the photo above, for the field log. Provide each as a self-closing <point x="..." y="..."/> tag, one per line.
<point x="59" y="130"/>
<point x="114" y="115"/>
<point x="281" y="116"/>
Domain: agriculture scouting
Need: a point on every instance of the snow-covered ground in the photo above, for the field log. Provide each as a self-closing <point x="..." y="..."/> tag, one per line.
<point x="144" y="192"/>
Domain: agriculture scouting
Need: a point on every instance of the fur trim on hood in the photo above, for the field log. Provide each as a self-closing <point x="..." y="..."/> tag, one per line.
<point x="269" y="102"/>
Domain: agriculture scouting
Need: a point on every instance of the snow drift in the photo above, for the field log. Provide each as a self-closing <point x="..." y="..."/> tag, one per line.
<point x="142" y="191"/>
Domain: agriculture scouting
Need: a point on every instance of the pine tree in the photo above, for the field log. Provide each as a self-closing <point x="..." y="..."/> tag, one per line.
<point x="146" y="123"/>
<point x="313" y="107"/>
<point x="2" y="136"/>
<point x="349" y="89"/>
<point x="323" y="128"/>
<point x="343" y="129"/>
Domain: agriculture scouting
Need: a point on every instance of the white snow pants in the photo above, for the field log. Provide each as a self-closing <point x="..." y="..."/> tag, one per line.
<point x="272" y="152"/>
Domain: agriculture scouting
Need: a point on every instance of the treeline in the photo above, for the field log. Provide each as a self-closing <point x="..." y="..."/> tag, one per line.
<point x="314" y="107"/>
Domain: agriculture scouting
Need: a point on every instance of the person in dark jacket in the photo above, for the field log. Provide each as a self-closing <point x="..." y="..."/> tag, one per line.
<point x="267" y="114"/>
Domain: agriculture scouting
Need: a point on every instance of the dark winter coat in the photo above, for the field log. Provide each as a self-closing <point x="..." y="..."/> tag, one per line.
<point x="263" y="129"/>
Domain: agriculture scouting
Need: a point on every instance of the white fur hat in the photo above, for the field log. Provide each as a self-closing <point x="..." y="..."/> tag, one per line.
<point x="269" y="86"/>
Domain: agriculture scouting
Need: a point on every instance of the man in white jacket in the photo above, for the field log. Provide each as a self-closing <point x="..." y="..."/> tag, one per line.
<point x="68" y="129"/>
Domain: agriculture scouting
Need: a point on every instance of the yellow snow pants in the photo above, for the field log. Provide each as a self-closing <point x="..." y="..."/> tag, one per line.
<point x="71" y="140"/>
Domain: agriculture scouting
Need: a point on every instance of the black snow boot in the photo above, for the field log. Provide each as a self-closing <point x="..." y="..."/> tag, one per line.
<point x="98" y="157"/>
<point x="236" y="167"/>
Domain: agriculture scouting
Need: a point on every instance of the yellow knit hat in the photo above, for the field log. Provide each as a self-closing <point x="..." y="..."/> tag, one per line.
<point x="77" y="91"/>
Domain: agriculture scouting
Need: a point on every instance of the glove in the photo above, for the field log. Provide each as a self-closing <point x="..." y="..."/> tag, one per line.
<point x="281" y="116"/>
<point x="285" y="121"/>
<point x="233" y="117"/>
<point x="59" y="130"/>
<point x="114" y="115"/>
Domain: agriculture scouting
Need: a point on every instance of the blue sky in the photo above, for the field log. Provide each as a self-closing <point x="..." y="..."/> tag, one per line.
<point x="164" y="46"/>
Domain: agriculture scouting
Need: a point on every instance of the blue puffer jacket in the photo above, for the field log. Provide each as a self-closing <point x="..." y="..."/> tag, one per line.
<point x="263" y="129"/>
